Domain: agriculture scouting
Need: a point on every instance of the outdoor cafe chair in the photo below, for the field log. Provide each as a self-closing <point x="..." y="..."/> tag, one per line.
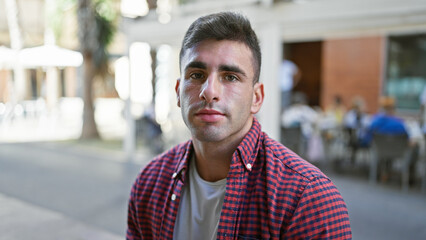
<point x="386" y="147"/>
<point x="292" y="138"/>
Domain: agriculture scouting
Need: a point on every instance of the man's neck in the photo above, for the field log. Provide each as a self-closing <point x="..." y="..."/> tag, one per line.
<point x="213" y="160"/>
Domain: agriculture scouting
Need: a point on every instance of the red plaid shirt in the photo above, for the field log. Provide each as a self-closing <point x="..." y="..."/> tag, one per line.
<point x="271" y="193"/>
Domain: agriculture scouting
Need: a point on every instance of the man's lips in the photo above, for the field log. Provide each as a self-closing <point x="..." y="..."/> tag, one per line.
<point x="209" y="115"/>
<point x="208" y="112"/>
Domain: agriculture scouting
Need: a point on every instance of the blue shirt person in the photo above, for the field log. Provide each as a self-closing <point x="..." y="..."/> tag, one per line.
<point x="385" y="122"/>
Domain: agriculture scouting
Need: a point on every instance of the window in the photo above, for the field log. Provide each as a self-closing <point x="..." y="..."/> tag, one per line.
<point x="406" y="70"/>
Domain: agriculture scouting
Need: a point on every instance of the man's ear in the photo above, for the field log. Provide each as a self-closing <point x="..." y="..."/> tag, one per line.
<point x="177" y="88"/>
<point x="258" y="96"/>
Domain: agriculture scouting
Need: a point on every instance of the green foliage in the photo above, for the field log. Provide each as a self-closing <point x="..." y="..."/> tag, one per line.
<point x="106" y="9"/>
<point x="105" y="19"/>
<point x="56" y="18"/>
<point x="106" y="14"/>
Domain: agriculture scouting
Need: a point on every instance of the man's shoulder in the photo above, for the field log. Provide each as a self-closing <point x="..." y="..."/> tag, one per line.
<point x="287" y="163"/>
<point x="165" y="163"/>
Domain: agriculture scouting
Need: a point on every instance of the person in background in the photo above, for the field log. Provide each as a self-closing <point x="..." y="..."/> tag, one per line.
<point x="231" y="180"/>
<point x="290" y="76"/>
<point x="356" y="118"/>
<point x="150" y="130"/>
<point x="385" y="122"/>
<point x="331" y="125"/>
<point x="337" y="110"/>
<point x="355" y="123"/>
<point x="300" y="114"/>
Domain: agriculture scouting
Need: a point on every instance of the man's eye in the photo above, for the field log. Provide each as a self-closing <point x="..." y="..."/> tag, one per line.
<point x="231" y="78"/>
<point x="196" y="75"/>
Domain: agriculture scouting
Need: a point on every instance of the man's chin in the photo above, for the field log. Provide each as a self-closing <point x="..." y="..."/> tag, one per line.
<point x="208" y="135"/>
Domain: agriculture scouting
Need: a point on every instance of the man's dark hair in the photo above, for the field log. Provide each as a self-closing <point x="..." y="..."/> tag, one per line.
<point x="224" y="26"/>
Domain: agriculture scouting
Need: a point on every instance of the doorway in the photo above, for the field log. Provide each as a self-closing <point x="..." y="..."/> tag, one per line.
<point x="307" y="56"/>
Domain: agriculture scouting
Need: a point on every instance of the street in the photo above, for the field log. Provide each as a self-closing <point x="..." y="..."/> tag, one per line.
<point x="89" y="187"/>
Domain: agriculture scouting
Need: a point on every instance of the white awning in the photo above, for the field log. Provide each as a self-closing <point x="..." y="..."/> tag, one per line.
<point x="49" y="56"/>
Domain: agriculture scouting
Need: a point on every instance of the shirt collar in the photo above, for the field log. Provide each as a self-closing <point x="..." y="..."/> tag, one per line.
<point x="249" y="147"/>
<point x="182" y="166"/>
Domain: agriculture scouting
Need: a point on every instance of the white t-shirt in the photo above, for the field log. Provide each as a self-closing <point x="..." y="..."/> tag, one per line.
<point x="199" y="208"/>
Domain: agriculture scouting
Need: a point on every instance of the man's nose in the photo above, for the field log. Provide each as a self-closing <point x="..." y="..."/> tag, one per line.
<point x="210" y="90"/>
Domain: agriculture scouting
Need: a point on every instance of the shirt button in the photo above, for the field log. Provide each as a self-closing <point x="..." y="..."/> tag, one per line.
<point x="173" y="197"/>
<point x="249" y="166"/>
<point x="174" y="175"/>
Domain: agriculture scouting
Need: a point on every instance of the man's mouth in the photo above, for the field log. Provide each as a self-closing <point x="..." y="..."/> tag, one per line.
<point x="209" y="115"/>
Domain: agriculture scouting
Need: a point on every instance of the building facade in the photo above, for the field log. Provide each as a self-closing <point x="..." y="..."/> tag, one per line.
<point x="345" y="48"/>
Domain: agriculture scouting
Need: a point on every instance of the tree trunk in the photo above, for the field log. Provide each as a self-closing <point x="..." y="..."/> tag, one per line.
<point x="88" y="44"/>
<point x="89" y="129"/>
<point x="16" y="42"/>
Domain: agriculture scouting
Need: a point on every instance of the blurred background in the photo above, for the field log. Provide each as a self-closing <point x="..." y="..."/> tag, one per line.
<point x="87" y="98"/>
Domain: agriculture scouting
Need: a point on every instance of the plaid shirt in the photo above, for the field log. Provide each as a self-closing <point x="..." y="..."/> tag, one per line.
<point x="271" y="193"/>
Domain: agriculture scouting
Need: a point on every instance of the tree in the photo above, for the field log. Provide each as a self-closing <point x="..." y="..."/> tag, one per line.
<point x="16" y="43"/>
<point x="96" y="31"/>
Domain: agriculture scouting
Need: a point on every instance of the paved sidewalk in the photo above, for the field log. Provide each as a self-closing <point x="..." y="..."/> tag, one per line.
<point x="382" y="211"/>
<point x="63" y="190"/>
<point x="20" y="220"/>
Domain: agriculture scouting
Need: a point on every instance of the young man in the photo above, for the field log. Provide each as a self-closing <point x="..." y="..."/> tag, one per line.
<point x="231" y="180"/>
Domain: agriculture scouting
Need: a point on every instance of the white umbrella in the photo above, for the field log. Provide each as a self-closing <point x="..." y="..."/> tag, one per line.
<point x="50" y="56"/>
<point x="8" y="57"/>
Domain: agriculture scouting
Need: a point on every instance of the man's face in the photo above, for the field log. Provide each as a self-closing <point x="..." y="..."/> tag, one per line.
<point x="216" y="91"/>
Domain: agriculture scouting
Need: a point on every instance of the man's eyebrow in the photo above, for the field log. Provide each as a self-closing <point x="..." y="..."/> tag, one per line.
<point x="196" y="64"/>
<point x="231" y="68"/>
